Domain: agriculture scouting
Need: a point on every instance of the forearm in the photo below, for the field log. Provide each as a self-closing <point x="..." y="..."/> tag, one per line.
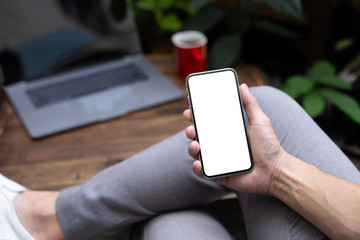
<point x="330" y="203"/>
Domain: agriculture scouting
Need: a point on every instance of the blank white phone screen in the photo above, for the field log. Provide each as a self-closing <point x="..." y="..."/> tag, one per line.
<point x="217" y="116"/>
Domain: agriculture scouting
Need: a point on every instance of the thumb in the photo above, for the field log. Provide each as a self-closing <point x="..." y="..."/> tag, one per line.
<point x="251" y="106"/>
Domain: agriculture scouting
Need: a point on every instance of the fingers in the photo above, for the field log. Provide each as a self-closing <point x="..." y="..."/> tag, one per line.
<point x="190" y="132"/>
<point x="194" y="149"/>
<point x="197" y="168"/>
<point x="187" y="115"/>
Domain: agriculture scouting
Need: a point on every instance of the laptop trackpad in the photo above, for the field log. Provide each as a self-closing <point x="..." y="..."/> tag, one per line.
<point x="104" y="105"/>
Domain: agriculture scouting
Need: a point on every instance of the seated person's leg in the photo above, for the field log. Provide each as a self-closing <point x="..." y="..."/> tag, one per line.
<point x="156" y="180"/>
<point x="267" y="217"/>
<point x="160" y="179"/>
<point x="184" y="224"/>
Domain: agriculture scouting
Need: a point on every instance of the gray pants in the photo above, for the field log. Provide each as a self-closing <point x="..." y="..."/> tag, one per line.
<point x="158" y="184"/>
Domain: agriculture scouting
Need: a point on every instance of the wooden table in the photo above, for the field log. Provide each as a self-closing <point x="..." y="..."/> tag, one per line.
<point x="72" y="157"/>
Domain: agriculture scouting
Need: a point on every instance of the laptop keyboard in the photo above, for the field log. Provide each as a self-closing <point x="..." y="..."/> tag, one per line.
<point x="73" y="88"/>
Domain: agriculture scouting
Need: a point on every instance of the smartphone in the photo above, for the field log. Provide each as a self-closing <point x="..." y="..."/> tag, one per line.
<point x="217" y="113"/>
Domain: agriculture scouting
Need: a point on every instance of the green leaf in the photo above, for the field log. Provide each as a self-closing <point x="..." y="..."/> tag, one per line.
<point x="344" y="103"/>
<point x="205" y="20"/>
<point x="335" y="81"/>
<point x="322" y="69"/>
<point x="164" y="4"/>
<point x="146" y="5"/>
<point x="343" y="44"/>
<point x="170" y="22"/>
<point x="275" y="28"/>
<point x="292" y="8"/>
<point x="200" y="3"/>
<point x="225" y="51"/>
<point x="314" y="104"/>
<point x="152" y="5"/>
<point x="297" y="85"/>
<point x="325" y="73"/>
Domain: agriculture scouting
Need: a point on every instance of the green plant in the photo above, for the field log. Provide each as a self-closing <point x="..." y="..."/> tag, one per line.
<point x="322" y="85"/>
<point x="157" y="18"/>
<point x="167" y="14"/>
<point x="235" y="23"/>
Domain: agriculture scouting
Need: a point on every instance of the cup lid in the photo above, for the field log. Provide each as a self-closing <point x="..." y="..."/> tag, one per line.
<point x="189" y="39"/>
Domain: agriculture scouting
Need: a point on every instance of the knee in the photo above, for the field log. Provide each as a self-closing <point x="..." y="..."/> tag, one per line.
<point x="273" y="100"/>
<point x="271" y="94"/>
<point x="284" y="112"/>
<point x="185" y="224"/>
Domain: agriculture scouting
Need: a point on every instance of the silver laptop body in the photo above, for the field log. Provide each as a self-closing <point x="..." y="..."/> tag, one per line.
<point x="63" y="100"/>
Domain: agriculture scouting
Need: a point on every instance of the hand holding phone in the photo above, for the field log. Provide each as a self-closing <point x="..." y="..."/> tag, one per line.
<point x="217" y="114"/>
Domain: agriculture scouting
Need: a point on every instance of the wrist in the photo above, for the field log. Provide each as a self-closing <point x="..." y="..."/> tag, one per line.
<point x="277" y="175"/>
<point x="291" y="177"/>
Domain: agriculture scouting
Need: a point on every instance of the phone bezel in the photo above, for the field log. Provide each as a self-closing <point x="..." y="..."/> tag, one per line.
<point x="243" y="120"/>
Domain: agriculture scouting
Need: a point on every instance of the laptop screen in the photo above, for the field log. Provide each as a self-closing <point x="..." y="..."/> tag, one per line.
<point x="43" y="37"/>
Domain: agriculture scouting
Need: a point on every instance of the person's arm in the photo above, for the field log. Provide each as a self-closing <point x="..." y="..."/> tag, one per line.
<point x="330" y="203"/>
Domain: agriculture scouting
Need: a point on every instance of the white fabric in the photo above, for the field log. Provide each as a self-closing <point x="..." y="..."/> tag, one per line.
<point x="10" y="225"/>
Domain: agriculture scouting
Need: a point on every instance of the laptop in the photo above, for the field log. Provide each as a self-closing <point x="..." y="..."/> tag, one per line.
<point x="66" y="63"/>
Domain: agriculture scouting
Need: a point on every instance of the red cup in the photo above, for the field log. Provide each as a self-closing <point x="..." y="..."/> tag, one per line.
<point x="190" y="47"/>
